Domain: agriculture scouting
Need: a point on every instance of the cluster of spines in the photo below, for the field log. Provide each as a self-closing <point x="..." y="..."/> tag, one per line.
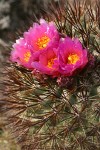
<point x="46" y="116"/>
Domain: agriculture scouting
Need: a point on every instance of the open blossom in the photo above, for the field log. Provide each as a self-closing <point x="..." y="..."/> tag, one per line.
<point x="21" y="53"/>
<point x="41" y="49"/>
<point x="72" y="56"/>
<point x="38" y="38"/>
<point x="48" y="62"/>
<point x="42" y="36"/>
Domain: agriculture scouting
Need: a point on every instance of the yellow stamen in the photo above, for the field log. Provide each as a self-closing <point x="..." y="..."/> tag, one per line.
<point x="42" y="42"/>
<point x="51" y="62"/>
<point x="27" y="56"/>
<point x="73" y="58"/>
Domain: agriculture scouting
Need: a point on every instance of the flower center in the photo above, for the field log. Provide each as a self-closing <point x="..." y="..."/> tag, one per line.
<point x="27" y="56"/>
<point x="42" y="42"/>
<point x="51" y="62"/>
<point x="73" y="58"/>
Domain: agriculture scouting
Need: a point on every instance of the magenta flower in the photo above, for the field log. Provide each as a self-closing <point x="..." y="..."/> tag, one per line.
<point x="72" y="56"/>
<point x="21" y="53"/>
<point x="48" y="62"/>
<point x="42" y="36"/>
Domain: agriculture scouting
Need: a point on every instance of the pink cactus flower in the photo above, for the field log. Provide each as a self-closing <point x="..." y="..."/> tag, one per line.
<point x="48" y="62"/>
<point x="21" y="53"/>
<point x="42" y="36"/>
<point x="72" y="56"/>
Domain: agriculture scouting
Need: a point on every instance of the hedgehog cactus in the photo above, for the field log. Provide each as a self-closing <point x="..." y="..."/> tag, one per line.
<point x="52" y="89"/>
